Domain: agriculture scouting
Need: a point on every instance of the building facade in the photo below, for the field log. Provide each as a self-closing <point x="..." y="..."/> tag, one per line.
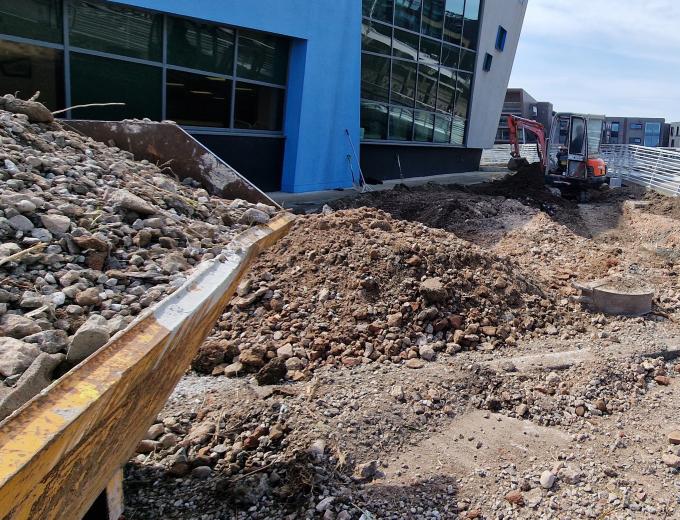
<point x="519" y="102"/>
<point x="297" y="95"/>
<point x="674" y="135"/>
<point x="635" y="130"/>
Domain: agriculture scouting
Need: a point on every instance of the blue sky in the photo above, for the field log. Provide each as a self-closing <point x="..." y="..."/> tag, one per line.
<point x="612" y="57"/>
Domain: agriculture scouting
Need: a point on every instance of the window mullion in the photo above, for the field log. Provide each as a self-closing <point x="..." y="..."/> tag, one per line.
<point x="67" y="58"/>
<point x="232" y="117"/>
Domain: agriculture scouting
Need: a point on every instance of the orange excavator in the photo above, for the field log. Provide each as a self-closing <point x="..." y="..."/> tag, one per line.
<point x="572" y="153"/>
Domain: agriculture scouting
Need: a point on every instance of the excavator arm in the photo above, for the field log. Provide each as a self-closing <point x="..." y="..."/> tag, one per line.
<point x="516" y="123"/>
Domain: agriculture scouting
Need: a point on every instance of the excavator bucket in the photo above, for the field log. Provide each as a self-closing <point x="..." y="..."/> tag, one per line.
<point x="516" y="163"/>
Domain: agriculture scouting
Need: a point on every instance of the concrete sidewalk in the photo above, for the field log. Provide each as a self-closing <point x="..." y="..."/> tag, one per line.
<point x="316" y="198"/>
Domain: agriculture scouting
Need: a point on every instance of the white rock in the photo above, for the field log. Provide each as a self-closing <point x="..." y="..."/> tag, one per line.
<point x="548" y="479"/>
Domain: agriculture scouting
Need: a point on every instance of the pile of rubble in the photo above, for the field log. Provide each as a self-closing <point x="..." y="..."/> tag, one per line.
<point x="90" y="238"/>
<point x="358" y="286"/>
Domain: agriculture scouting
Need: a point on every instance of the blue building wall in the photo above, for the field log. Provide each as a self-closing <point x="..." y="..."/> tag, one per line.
<point x="324" y="78"/>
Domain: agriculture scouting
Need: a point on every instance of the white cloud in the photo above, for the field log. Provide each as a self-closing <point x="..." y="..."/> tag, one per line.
<point x="616" y="57"/>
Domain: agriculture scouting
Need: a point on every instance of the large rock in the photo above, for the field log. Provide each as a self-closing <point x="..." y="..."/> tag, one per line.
<point x="91" y="336"/>
<point x="433" y="290"/>
<point x="88" y="297"/>
<point x="50" y="341"/>
<point x="272" y="373"/>
<point x="21" y="223"/>
<point x="57" y="224"/>
<point x="123" y="199"/>
<point x="36" y="378"/>
<point x="16" y="326"/>
<point x="36" y="111"/>
<point x="254" y="216"/>
<point x="16" y="356"/>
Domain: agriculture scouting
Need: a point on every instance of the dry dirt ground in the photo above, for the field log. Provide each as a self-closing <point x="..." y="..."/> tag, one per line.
<point x="541" y="410"/>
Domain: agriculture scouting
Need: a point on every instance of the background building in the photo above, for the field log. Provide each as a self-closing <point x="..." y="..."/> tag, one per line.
<point x="674" y="135"/>
<point x="520" y="103"/>
<point x="289" y="92"/>
<point x="634" y="130"/>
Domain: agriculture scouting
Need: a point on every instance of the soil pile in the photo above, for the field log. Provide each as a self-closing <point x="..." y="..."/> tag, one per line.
<point x="358" y="286"/>
<point x="528" y="181"/>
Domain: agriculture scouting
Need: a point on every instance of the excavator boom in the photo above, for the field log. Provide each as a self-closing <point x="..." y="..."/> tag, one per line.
<point x="514" y="124"/>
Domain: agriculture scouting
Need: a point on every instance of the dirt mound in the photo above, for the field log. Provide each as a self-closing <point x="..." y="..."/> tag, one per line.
<point x="358" y="287"/>
<point x="528" y="181"/>
<point x="663" y="205"/>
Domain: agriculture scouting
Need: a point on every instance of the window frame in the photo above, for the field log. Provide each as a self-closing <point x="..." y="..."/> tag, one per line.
<point x="488" y="62"/>
<point x="464" y="67"/>
<point x="501" y="38"/>
<point x="162" y="63"/>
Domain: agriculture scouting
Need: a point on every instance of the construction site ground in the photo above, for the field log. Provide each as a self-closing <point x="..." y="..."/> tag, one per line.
<point x="425" y="357"/>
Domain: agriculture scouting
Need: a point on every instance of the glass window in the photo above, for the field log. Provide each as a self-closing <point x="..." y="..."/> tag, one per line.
<point x="403" y="83"/>
<point x="258" y="107"/>
<point x="433" y="18"/>
<point x="442" y="128"/>
<point x="105" y="80"/>
<point x="262" y="57"/>
<point x="197" y="100"/>
<point x="488" y="60"/>
<point x="373" y="120"/>
<point x="457" y="130"/>
<point x="463" y="94"/>
<point x="635" y="140"/>
<point x="200" y="46"/>
<point x="376" y="37"/>
<point x="378" y="10"/>
<point x="652" y="134"/>
<point x="116" y="30"/>
<point x="401" y="124"/>
<point x="405" y="45"/>
<point x="615" y="130"/>
<point x="430" y="51"/>
<point x="407" y="14"/>
<point x="500" y="38"/>
<point x="424" y="126"/>
<point x="375" y="77"/>
<point x="595" y="127"/>
<point x="25" y="69"/>
<point x="427" y="86"/>
<point x="636" y="126"/>
<point x="471" y="24"/>
<point x="446" y="99"/>
<point x="37" y="19"/>
<point x="450" y="56"/>
<point x="467" y="60"/>
<point x="453" y="21"/>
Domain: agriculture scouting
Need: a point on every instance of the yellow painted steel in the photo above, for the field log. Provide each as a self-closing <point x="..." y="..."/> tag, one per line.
<point x="61" y="449"/>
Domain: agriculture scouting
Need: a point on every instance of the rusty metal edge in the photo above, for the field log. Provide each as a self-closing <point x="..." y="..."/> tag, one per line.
<point x="80" y="126"/>
<point x="37" y="439"/>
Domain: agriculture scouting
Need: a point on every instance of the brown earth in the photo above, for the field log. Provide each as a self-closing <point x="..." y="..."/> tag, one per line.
<point x="388" y="411"/>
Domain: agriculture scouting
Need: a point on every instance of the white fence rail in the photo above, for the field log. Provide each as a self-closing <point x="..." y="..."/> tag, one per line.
<point x="655" y="168"/>
<point x="500" y="154"/>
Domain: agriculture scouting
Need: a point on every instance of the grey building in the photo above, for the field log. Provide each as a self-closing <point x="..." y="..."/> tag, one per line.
<point x="643" y="131"/>
<point x="520" y="103"/>
<point x="674" y="135"/>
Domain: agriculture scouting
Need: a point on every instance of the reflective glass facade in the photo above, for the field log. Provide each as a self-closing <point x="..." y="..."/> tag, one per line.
<point x="417" y="64"/>
<point x="201" y="75"/>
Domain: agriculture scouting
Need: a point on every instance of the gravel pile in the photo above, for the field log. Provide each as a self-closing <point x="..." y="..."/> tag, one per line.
<point x="90" y="237"/>
<point x="358" y="286"/>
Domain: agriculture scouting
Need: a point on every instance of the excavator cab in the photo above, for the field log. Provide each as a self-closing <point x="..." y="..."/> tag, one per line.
<point x="573" y="149"/>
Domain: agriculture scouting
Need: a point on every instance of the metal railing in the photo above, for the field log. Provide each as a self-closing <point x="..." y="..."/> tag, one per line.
<point x="655" y="168"/>
<point x="500" y="154"/>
